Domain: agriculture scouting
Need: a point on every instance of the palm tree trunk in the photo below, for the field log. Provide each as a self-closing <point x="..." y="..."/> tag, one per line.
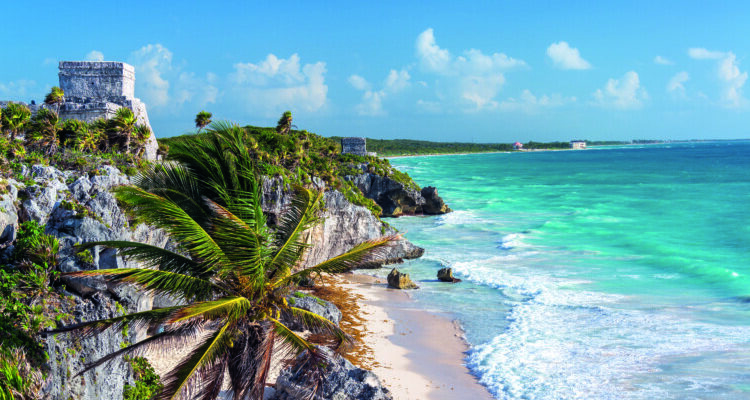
<point x="250" y="361"/>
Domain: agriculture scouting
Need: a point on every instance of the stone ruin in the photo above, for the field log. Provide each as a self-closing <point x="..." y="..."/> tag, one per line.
<point x="97" y="89"/>
<point x="354" y="145"/>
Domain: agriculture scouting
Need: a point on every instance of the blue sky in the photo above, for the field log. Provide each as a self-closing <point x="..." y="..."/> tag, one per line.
<point x="484" y="71"/>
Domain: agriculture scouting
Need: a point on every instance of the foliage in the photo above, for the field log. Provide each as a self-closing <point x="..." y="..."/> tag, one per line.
<point x="147" y="382"/>
<point x="230" y="272"/>
<point x="19" y="380"/>
<point x="202" y="119"/>
<point x="42" y="132"/>
<point x="285" y="123"/>
<point x="14" y="118"/>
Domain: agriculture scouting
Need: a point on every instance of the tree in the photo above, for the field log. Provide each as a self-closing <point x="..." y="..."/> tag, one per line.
<point x="122" y="127"/>
<point x="55" y="97"/>
<point x="285" y="123"/>
<point x="231" y="272"/>
<point x="15" y="116"/>
<point x="141" y="133"/>
<point x="202" y="120"/>
<point x="42" y="132"/>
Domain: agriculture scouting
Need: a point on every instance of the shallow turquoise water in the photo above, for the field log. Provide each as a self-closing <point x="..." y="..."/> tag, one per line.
<point x="605" y="273"/>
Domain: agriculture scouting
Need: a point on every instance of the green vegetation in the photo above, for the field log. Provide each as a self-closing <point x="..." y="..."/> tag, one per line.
<point x="202" y="119"/>
<point x="147" y="382"/>
<point x="231" y="272"/>
<point x="407" y="147"/>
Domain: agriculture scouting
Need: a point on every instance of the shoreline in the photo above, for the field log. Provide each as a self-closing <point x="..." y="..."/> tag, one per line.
<point x="415" y="353"/>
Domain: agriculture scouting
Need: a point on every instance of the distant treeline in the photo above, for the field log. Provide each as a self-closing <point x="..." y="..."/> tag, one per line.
<point x="403" y="147"/>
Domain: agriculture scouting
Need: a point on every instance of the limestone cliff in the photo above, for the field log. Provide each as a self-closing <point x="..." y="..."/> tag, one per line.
<point x="80" y="208"/>
<point x="397" y="199"/>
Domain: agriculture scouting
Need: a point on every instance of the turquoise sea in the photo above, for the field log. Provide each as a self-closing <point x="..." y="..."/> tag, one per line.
<point x="608" y="273"/>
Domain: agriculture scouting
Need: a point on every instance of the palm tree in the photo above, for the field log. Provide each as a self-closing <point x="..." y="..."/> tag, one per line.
<point x="123" y="125"/>
<point x="231" y="272"/>
<point x="285" y="123"/>
<point x="55" y="97"/>
<point x="15" y="116"/>
<point x="202" y="120"/>
<point x="141" y="133"/>
<point x="42" y="132"/>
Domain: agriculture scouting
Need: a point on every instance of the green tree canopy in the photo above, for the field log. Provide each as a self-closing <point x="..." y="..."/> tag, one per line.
<point x="202" y="119"/>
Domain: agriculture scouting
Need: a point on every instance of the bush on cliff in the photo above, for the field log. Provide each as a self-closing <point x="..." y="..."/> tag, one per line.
<point x="230" y="271"/>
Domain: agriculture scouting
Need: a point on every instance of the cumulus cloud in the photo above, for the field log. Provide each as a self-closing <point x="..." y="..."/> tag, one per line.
<point x="676" y="83"/>
<point x="277" y="84"/>
<point x="728" y="73"/>
<point x="566" y="57"/>
<point x="473" y="78"/>
<point x="163" y="85"/>
<point x="19" y="90"/>
<point x="94" y="55"/>
<point x="528" y="102"/>
<point x="624" y="93"/>
<point x="662" y="61"/>
<point x="372" y="101"/>
<point x="152" y="62"/>
<point x="359" y="82"/>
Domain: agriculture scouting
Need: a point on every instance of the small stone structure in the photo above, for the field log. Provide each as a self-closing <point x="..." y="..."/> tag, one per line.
<point x="97" y="89"/>
<point x="354" y="145"/>
<point x="577" y="144"/>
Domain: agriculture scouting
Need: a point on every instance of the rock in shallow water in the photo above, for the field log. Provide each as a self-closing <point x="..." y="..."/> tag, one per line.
<point x="399" y="280"/>
<point x="446" y="275"/>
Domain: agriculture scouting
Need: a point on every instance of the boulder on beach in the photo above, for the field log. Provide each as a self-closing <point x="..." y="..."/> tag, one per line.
<point x="446" y="275"/>
<point x="399" y="280"/>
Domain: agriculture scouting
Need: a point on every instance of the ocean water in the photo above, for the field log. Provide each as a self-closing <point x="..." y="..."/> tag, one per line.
<point x="609" y="273"/>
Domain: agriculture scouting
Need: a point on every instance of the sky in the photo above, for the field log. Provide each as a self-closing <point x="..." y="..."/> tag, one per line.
<point x="469" y="71"/>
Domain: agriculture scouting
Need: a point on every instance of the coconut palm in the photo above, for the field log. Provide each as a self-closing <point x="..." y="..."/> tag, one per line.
<point x="42" y="132"/>
<point x="285" y="123"/>
<point x="55" y="97"/>
<point x="202" y="120"/>
<point x="15" y="116"/>
<point x="229" y="270"/>
<point x="122" y="127"/>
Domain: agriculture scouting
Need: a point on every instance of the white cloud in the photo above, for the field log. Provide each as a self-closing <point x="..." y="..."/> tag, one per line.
<point x="676" y="84"/>
<point x="94" y="55"/>
<point x="662" y="61"/>
<point x="20" y="90"/>
<point x="528" y="102"/>
<point x="359" y="82"/>
<point x="276" y="84"/>
<point x="372" y="101"/>
<point x="151" y="63"/>
<point x="728" y="73"/>
<point x="566" y="57"/>
<point x="625" y="93"/>
<point x="473" y="79"/>
<point x="193" y="89"/>
<point x="699" y="53"/>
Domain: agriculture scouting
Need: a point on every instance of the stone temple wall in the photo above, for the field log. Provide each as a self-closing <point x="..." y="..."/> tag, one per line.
<point x="97" y="79"/>
<point x="354" y="145"/>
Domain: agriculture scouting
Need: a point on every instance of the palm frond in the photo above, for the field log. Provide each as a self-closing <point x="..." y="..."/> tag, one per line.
<point x="166" y="214"/>
<point x="365" y="252"/>
<point x="296" y="342"/>
<point x="201" y="359"/>
<point x="250" y="360"/>
<point x="243" y="247"/>
<point x="175" y="182"/>
<point x="153" y="256"/>
<point x="181" y="286"/>
<point x="300" y="216"/>
<point x="134" y="320"/>
<point x="226" y="308"/>
<point x="320" y="324"/>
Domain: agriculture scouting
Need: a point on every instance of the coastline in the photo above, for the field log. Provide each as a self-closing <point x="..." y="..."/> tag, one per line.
<point x="416" y="354"/>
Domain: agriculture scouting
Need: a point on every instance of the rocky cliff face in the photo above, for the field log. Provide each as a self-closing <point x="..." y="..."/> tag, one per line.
<point x="78" y="209"/>
<point x="396" y="199"/>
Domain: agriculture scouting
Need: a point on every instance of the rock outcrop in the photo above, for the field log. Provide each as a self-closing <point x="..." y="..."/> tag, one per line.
<point x="341" y="381"/>
<point x="446" y="275"/>
<point x="307" y="302"/>
<point x="395" y="198"/>
<point x="80" y="208"/>
<point x="344" y="225"/>
<point x="400" y="280"/>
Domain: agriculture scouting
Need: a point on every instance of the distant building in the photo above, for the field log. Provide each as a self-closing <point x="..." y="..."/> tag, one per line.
<point x="354" y="145"/>
<point x="518" y="145"/>
<point x="578" y="144"/>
